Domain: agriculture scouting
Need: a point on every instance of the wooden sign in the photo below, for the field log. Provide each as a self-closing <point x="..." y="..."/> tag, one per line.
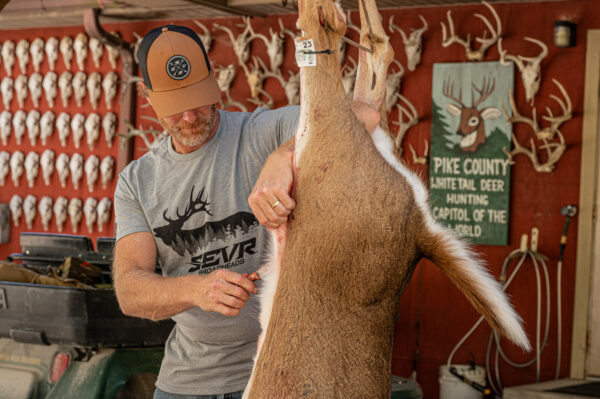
<point x="469" y="176"/>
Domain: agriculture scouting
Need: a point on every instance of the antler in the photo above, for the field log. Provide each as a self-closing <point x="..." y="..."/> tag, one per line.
<point x="255" y="76"/>
<point x="417" y="159"/>
<point x="548" y="132"/>
<point x="486" y="90"/>
<point x="241" y="43"/>
<point x="413" y="119"/>
<point x="414" y="34"/>
<point x="555" y="149"/>
<point x="274" y="47"/>
<point x="205" y="37"/>
<point x="485" y="43"/>
<point x="291" y="87"/>
<point x="448" y="91"/>
<point x="232" y="103"/>
<point x="392" y="86"/>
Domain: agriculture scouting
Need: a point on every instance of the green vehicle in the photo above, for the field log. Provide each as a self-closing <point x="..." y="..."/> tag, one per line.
<point x="62" y="342"/>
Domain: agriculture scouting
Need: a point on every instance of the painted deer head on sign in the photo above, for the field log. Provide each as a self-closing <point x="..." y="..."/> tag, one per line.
<point x="471" y="127"/>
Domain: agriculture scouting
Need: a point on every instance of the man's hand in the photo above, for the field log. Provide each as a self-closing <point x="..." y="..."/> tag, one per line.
<point x="270" y="199"/>
<point x="225" y="292"/>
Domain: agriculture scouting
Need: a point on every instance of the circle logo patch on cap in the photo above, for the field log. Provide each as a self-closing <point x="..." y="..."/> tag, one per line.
<point x="178" y="67"/>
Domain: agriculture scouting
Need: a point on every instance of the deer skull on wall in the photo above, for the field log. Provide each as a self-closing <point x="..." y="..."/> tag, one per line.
<point x="97" y="50"/>
<point x="8" y="56"/>
<point x="90" y="212"/>
<point x="51" y="49"/>
<point x="17" y="159"/>
<point x="412" y="43"/>
<point x="66" y="89"/>
<point x="75" y="213"/>
<point x="36" y="50"/>
<point x="109" y="86"/>
<point x="80" y="45"/>
<point x="47" y="163"/>
<point x="4" y="166"/>
<point x="7" y="86"/>
<point x="21" y="89"/>
<point x="92" y="129"/>
<point x="91" y="171"/>
<point x="63" y="125"/>
<point x="106" y="170"/>
<point x="103" y="211"/>
<point x="79" y="87"/>
<point x="18" y="123"/>
<point x="32" y="167"/>
<point x="241" y="43"/>
<point x="50" y="87"/>
<point x="29" y="209"/>
<point x="62" y="168"/>
<point x="109" y="126"/>
<point x="16" y="208"/>
<point x="77" y="129"/>
<point x="33" y="125"/>
<point x="35" y="88"/>
<point x="66" y="49"/>
<point x="46" y="126"/>
<point x="5" y="126"/>
<point x="60" y="212"/>
<point x="76" y="169"/>
<point x="530" y="67"/>
<point x="113" y="52"/>
<point x="94" y="88"/>
<point x="45" y="209"/>
<point x="23" y="54"/>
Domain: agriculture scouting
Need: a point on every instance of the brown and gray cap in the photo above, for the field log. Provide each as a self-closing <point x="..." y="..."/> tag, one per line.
<point x="176" y="71"/>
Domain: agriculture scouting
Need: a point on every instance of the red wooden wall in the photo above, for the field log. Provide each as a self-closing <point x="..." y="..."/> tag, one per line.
<point x="536" y="198"/>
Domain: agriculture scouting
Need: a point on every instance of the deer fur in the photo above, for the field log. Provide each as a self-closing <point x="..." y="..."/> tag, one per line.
<point x="329" y="322"/>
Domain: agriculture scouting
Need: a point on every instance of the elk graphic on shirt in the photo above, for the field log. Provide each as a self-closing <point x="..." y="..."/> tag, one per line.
<point x="181" y="240"/>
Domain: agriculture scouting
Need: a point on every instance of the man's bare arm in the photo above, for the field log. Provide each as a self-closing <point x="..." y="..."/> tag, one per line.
<point x="143" y="293"/>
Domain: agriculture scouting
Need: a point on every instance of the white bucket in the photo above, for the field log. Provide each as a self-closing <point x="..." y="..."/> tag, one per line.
<point x="453" y="388"/>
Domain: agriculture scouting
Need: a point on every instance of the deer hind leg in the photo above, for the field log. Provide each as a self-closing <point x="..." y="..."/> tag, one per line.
<point x="369" y="86"/>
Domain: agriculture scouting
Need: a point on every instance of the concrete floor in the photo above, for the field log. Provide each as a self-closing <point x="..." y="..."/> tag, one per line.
<point x="536" y="391"/>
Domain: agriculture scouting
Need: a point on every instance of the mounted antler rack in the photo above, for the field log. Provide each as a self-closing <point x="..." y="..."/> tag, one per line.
<point x="449" y="36"/>
<point x="554" y="150"/>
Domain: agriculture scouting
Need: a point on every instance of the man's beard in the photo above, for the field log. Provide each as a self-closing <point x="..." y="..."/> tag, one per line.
<point x="202" y="127"/>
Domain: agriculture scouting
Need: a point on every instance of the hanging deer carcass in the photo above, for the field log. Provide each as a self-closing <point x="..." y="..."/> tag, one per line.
<point x="360" y="226"/>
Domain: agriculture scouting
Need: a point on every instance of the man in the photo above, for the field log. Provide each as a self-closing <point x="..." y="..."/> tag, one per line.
<point x="186" y="203"/>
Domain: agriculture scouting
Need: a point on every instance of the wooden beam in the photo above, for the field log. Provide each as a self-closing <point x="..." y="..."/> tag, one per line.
<point x="218" y="5"/>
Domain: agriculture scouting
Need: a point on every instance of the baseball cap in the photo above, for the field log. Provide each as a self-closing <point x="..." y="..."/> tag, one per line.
<point x="176" y="71"/>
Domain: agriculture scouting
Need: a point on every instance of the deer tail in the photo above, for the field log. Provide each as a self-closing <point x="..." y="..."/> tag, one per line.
<point x="456" y="259"/>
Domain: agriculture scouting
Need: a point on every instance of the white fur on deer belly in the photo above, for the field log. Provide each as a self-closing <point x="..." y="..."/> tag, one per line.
<point x="269" y="275"/>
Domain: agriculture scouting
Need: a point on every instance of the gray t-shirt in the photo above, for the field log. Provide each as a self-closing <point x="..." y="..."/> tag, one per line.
<point x="196" y="206"/>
